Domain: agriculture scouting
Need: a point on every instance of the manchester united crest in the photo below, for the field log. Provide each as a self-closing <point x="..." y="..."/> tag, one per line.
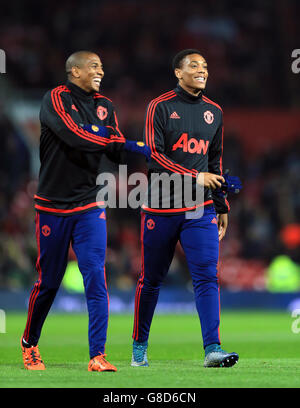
<point x="150" y="224"/>
<point x="208" y="117"/>
<point x="46" y="230"/>
<point x="102" y="112"/>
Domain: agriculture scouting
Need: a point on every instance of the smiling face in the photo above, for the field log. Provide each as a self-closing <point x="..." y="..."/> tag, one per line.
<point x="192" y="74"/>
<point x="88" y="72"/>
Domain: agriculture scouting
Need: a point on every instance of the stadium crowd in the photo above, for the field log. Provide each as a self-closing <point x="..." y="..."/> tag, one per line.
<point x="137" y="44"/>
<point x="243" y="42"/>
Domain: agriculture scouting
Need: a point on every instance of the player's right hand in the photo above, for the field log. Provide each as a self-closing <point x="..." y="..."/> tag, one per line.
<point x="210" y="180"/>
<point x="96" y="129"/>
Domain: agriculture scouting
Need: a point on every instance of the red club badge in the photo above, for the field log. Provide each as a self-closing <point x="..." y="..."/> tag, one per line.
<point x="150" y="224"/>
<point x="46" y="230"/>
<point x="102" y="112"/>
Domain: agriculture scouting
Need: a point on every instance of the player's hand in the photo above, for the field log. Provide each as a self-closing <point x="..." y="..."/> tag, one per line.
<point x="232" y="184"/>
<point x="210" y="180"/>
<point x="96" y="130"/>
<point x="222" y="225"/>
<point x="138" y="147"/>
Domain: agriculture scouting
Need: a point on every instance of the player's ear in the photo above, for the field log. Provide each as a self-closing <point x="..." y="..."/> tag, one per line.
<point x="75" y="72"/>
<point x="178" y="73"/>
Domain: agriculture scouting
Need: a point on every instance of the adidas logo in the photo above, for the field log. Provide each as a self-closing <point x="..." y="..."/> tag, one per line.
<point x="174" y="115"/>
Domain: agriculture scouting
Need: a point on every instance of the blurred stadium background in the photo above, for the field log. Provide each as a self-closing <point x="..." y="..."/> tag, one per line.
<point x="248" y="46"/>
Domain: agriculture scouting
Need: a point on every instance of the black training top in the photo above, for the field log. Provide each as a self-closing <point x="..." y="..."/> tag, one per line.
<point x="70" y="156"/>
<point x="185" y="134"/>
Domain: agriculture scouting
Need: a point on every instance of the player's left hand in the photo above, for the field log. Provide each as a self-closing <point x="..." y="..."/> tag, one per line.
<point x="222" y="225"/>
<point x="138" y="147"/>
<point x="232" y="184"/>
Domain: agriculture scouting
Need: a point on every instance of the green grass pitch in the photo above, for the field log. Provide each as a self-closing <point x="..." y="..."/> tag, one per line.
<point x="268" y="349"/>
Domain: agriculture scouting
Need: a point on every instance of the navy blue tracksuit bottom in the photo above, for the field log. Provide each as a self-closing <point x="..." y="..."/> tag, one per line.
<point x="200" y="242"/>
<point x="87" y="234"/>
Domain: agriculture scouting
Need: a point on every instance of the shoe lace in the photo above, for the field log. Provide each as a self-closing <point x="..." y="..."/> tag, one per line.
<point x="139" y="352"/>
<point x="219" y="349"/>
<point x="102" y="357"/>
<point x="33" y="356"/>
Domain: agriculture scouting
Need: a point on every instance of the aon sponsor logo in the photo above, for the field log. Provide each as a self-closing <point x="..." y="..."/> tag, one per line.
<point x="191" y="145"/>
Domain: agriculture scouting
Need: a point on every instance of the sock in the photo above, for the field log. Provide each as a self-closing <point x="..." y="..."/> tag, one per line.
<point x="27" y="345"/>
<point x="140" y="343"/>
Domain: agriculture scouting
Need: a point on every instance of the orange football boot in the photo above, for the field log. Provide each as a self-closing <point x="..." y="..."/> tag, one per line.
<point x="32" y="358"/>
<point x="98" y="363"/>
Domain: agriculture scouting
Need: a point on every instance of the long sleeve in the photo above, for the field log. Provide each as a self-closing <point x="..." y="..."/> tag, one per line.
<point x="55" y="113"/>
<point x="154" y="138"/>
<point x="215" y="166"/>
<point x="116" y="155"/>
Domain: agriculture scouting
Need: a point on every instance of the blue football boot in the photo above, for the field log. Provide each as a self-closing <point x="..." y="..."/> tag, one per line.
<point x="216" y="357"/>
<point x="139" y="354"/>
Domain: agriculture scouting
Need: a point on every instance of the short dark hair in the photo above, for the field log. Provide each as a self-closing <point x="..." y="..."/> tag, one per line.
<point x="76" y="59"/>
<point x="177" y="60"/>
